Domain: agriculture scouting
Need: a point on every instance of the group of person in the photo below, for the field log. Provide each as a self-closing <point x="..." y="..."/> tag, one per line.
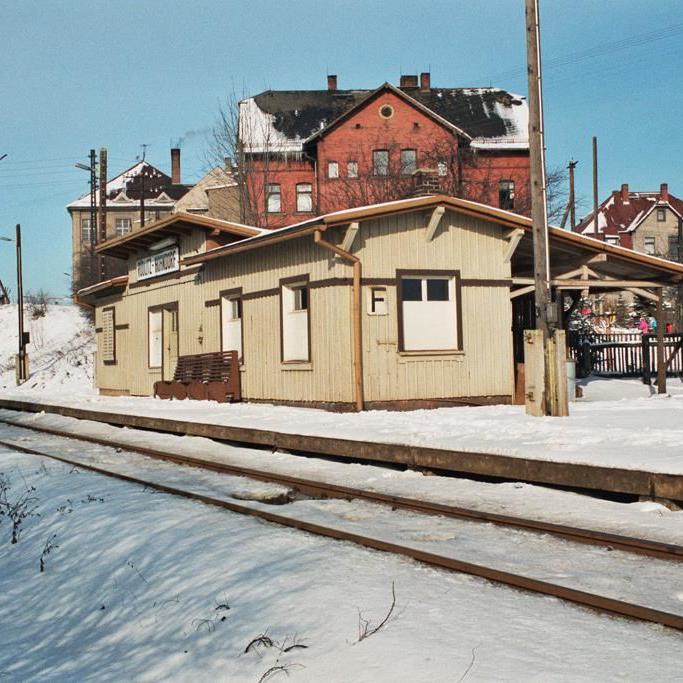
<point x="649" y="326"/>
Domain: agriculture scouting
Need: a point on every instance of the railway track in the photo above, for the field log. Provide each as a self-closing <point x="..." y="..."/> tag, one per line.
<point x="661" y="551"/>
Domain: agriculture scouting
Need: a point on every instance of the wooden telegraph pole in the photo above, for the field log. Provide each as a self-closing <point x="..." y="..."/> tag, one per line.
<point x="595" y="188"/>
<point x="102" y="228"/>
<point x="572" y="195"/>
<point x="546" y="392"/>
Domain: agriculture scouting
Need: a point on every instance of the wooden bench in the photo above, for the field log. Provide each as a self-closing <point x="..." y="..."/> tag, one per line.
<point x="204" y="376"/>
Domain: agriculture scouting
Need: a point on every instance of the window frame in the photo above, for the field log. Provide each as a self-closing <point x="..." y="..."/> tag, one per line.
<point x="117" y="232"/>
<point x="349" y="164"/>
<point x="87" y="220"/>
<point x="674" y="240"/>
<point x="374" y="164"/>
<point x="235" y="294"/>
<point x="112" y="360"/>
<point x="511" y="193"/>
<point x="310" y="196"/>
<point x="150" y="310"/>
<point x="661" y="215"/>
<point x="402" y="169"/>
<point x="425" y="274"/>
<point x="330" y="164"/>
<point x="647" y="241"/>
<point x="277" y="193"/>
<point x="290" y="283"/>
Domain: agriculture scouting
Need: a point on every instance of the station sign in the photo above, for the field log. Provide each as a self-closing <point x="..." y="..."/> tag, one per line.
<point x="159" y="263"/>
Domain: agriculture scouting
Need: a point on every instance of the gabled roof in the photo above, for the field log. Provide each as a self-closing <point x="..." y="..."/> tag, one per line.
<point x="562" y="241"/>
<point x="197" y="200"/>
<point x="125" y="189"/>
<point x="110" y="285"/>
<point x="282" y="120"/>
<point x="625" y="211"/>
<point x="174" y="224"/>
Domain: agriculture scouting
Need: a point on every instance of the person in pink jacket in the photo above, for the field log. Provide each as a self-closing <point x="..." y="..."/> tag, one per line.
<point x="643" y="326"/>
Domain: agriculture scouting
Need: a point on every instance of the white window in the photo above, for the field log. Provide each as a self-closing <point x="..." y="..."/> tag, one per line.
<point x="155" y="331"/>
<point x="332" y="169"/>
<point x="377" y="301"/>
<point x="108" y="336"/>
<point x="649" y="245"/>
<point x="294" y="302"/>
<point x="304" y="198"/>
<point x="231" y="323"/>
<point x="612" y="239"/>
<point x="273" y="199"/>
<point x="380" y="162"/>
<point x="442" y="168"/>
<point x="352" y="169"/>
<point x="86" y="231"/>
<point x="429" y="315"/>
<point x="122" y="226"/>
<point x="408" y="161"/>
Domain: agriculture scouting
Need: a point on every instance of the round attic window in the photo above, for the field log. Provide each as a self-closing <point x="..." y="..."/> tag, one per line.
<point x="386" y="111"/>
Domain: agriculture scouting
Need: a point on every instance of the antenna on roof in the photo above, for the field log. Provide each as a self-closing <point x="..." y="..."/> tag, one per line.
<point x="144" y="151"/>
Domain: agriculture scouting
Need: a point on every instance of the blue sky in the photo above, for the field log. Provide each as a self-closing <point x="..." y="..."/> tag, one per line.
<point x="87" y="73"/>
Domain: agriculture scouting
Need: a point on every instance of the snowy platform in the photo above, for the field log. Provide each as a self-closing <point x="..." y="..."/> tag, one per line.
<point x="619" y="439"/>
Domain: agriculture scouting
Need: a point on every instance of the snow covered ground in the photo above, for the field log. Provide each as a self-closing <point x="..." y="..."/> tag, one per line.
<point x="619" y="423"/>
<point x="144" y="586"/>
<point x="60" y="352"/>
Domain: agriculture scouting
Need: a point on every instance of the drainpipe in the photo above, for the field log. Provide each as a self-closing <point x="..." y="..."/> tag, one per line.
<point x="356" y="315"/>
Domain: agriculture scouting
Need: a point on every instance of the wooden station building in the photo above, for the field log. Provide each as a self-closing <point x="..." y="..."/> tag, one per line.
<point x="416" y="302"/>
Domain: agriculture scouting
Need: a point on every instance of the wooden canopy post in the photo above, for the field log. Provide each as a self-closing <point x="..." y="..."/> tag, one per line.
<point x="661" y="364"/>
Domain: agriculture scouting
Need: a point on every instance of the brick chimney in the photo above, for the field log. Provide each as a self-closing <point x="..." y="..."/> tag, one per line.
<point x="425" y="182"/>
<point x="408" y="81"/>
<point x="624" y="193"/>
<point x="425" y="81"/>
<point x="664" y="192"/>
<point x="332" y="83"/>
<point x="175" y="165"/>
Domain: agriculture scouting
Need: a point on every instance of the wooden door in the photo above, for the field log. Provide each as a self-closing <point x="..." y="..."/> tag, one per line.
<point x="170" y="334"/>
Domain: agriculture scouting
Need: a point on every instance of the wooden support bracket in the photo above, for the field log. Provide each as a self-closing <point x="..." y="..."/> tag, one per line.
<point x="350" y="236"/>
<point x="434" y="221"/>
<point x="514" y="237"/>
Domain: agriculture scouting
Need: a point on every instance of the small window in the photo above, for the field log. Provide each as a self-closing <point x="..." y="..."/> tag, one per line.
<point x="429" y="314"/>
<point x="612" y="239"/>
<point x="408" y="161"/>
<point x="300" y="298"/>
<point x="155" y="327"/>
<point x="649" y="245"/>
<point x="304" y="198"/>
<point x="377" y="301"/>
<point x="506" y="194"/>
<point x="273" y="199"/>
<point x="674" y="249"/>
<point x="380" y="162"/>
<point x="386" y="111"/>
<point x="333" y="169"/>
<point x="294" y="305"/>
<point x="352" y="169"/>
<point x="86" y="232"/>
<point x="661" y="215"/>
<point x="108" y="336"/>
<point x="122" y="226"/>
<point x="442" y="168"/>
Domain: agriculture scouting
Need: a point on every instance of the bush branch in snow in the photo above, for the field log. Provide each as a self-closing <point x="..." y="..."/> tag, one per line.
<point x="18" y="510"/>
<point x="470" y="665"/>
<point x="49" y="546"/>
<point x="365" y="627"/>
<point x="279" y="668"/>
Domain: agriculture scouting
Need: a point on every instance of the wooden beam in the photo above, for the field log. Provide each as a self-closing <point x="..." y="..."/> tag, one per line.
<point x="603" y="284"/>
<point x="522" y="291"/>
<point x="522" y="281"/>
<point x="661" y="365"/>
<point x="350" y="236"/>
<point x="642" y="292"/>
<point x="514" y="238"/>
<point x="434" y="221"/>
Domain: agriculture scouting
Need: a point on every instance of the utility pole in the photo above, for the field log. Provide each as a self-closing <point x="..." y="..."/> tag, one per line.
<point x="539" y="214"/>
<point x="572" y="195"/>
<point x="102" y="237"/>
<point x="22" y="364"/>
<point x="595" y="187"/>
<point x="544" y="348"/>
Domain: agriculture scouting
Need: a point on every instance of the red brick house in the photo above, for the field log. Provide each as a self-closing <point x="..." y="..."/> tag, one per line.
<point x="649" y="222"/>
<point x="311" y="152"/>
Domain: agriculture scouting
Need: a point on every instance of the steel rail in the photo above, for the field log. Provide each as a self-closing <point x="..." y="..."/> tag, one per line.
<point x="583" y="598"/>
<point x="315" y="488"/>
